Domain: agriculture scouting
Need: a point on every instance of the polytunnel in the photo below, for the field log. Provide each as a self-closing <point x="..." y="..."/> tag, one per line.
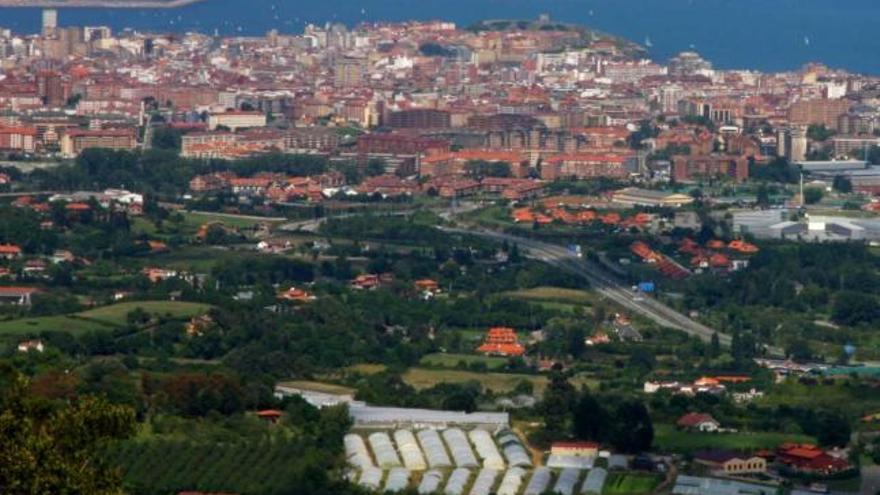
<point x="457" y="481"/>
<point x="460" y="448"/>
<point x="371" y="478"/>
<point x="409" y="450"/>
<point x="383" y="449"/>
<point x="434" y="450"/>
<point x="540" y="481"/>
<point x="566" y="482"/>
<point x="484" y="482"/>
<point x="595" y="482"/>
<point x="356" y="451"/>
<point x="486" y="449"/>
<point x="398" y="479"/>
<point x="511" y="482"/>
<point x="431" y="481"/>
<point x="513" y="449"/>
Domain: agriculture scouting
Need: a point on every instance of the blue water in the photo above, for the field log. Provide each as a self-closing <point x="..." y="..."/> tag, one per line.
<point x="754" y="34"/>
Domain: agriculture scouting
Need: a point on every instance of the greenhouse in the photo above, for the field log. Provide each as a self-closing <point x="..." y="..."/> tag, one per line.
<point x="566" y="482"/>
<point x="460" y="448"/>
<point x="486" y="449"/>
<point x="569" y="462"/>
<point x="409" y="450"/>
<point x="356" y="451"/>
<point x="398" y="480"/>
<point x="457" y="481"/>
<point x="484" y="482"/>
<point x="540" y="481"/>
<point x="431" y="481"/>
<point x="383" y="449"/>
<point x="595" y="482"/>
<point x="371" y="478"/>
<point x="434" y="450"/>
<point x="513" y="449"/>
<point x="512" y="481"/>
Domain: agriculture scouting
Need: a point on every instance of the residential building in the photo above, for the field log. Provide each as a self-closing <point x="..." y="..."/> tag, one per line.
<point x="17" y="296"/>
<point x="633" y="196"/>
<point x="234" y="120"/>
<point x="818" y="111"/>
<point x="502" y="341"/>
<point x="731" y="463"/>
<point x="73" y="142"/>
<point x="688" y="167"/>
<point x="698" y="422"/>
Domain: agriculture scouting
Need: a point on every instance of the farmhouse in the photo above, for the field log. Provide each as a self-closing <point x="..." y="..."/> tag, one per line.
<point x="698" y="422"/>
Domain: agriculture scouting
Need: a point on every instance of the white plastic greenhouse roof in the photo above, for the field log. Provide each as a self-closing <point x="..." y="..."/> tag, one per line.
<point x="402" y="417"/>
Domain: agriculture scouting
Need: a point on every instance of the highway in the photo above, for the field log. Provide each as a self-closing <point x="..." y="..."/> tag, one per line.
<point x="605" y="284"/>
<point x="600" y="279"/>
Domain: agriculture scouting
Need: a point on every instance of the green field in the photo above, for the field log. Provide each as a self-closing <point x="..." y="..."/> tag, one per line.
<point x="196" y="220"/>
<point x="439" y="360"/>
<point x="103" y="318"/>
<point x="29" y="326"/>
<point x="553" y="294"/>
<point x="115" y="313"/>
<point x="852" y="400"/>
<point x="630" y="483"/>
<point x="366" y="368"/>
<point x="422" y="378"/>
<point x="668" y="438"/>
<point x="193" y="258"/>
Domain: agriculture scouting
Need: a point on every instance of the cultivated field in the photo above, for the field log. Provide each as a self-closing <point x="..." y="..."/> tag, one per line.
<point x="103" y="318"/>
<point x="668" y="438"/>
<point x="422" y="378"/>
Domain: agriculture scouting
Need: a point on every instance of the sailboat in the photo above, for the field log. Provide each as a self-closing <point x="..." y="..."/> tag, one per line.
<point x="807" y="40"/>
<point x="648" y="43"/>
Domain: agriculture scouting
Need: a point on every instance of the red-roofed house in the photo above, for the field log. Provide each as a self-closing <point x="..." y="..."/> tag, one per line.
<point x="270" y="415"/>
<point x="18" y="296"/>
<point x="10" y="251"/>
<point x="502" y="341"/>
<point x="810" y="459"/>
<point x="698" y="422"/>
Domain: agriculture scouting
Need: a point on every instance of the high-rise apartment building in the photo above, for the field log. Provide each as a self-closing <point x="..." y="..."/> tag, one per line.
<point x="349" y="72"/>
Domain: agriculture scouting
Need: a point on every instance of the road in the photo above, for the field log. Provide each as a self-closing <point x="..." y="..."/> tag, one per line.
<point x="599" y="278"/>
<point x="312" y="225"/>
<point x="606" y="284"/>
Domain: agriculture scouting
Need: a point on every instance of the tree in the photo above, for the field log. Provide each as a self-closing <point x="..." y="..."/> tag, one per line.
<point x="813" y="195"/>
<point x="715" y="346"/>
<point x="374" y="167"/>
<point x="819" y="132"/>
<point x="842" y="184"/>
<point x="589" y="418"/>
<point x="874" y="155"/>
<point x="632" y="430"/>
<point x="556" y="405"/>
<point x="833" y="430"/>
<point x="167" y="138"/>
<point x="58" y="449"/>
<point x="763" y="197"/>
<point x="854" y="308"/>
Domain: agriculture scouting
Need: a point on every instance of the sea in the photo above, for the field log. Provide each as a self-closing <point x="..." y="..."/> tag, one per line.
<point x="766" y="35"/>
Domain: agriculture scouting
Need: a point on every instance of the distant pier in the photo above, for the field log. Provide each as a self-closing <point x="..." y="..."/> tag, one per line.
<point x="112" y="4"/>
